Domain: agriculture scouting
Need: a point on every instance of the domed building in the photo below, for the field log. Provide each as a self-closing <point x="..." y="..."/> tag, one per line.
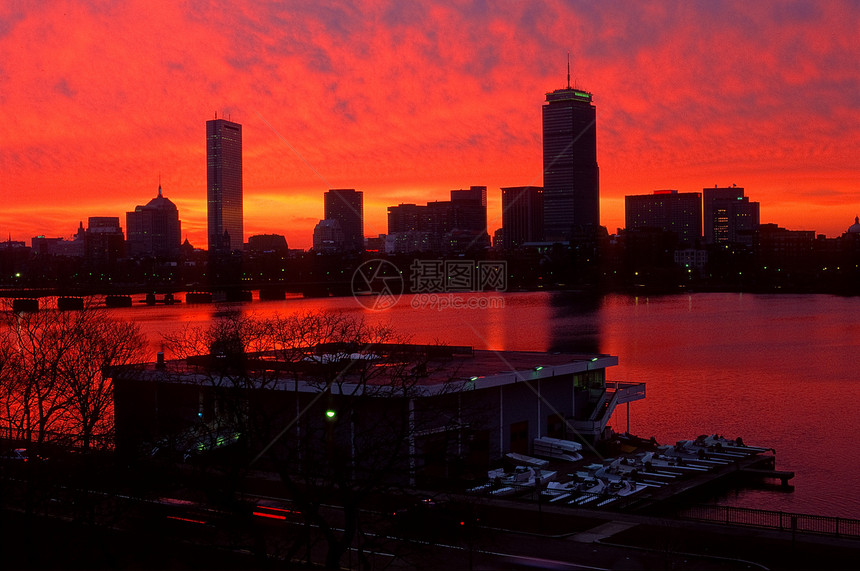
<point x="854" y="228"/>
<point x="154" y="229"/>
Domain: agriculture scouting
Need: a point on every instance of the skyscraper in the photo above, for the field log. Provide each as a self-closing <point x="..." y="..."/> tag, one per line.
<point x="224" y="185"/>
<point x="570" y="183"/>
<point x="346" y="205"/>
<point x="522" y="215"/>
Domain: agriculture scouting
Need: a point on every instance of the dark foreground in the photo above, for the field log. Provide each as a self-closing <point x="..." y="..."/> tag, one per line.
<point x="511" y="535"/>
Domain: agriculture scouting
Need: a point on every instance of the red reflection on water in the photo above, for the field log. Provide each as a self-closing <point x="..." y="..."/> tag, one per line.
<point x="780" y="371"/>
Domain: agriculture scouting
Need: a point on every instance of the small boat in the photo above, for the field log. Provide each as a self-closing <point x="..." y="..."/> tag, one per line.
<point x="522" y="478"/>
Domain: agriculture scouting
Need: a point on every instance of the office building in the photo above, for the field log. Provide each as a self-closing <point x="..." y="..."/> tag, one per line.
<point x="729" y="216"/>
<point x="570" y="183"/>
<point x="104" y="241"/>
<point x="448" y="226"/>
<point x="470" y="209"/>
<point x="406" y="218"/>
<point x="667" y="210"/>
<point x="328" y="237"/>
<point x="154" y="229"/>
<point x="522" y="215"/>
<point x="346" y="205"/>
<point x="224" y="185"/>
<point x="785" y="249"/>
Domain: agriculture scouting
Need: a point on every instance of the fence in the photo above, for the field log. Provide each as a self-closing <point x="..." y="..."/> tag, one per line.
<point x="802" y="523"/>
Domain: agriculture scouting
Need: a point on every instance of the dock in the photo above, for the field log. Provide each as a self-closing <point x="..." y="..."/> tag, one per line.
<point x="734" y="473"/>
<point x="651" y="479"/>
<point x="782" y="475"/>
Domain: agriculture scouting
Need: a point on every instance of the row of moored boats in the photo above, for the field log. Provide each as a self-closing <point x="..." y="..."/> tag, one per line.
<point x="606" y="483"/>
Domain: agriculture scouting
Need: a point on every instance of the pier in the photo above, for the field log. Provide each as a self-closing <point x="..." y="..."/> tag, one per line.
<point x="735" y="473"/>
<point x="645" y="478"/>
<point x="766" y="474"/>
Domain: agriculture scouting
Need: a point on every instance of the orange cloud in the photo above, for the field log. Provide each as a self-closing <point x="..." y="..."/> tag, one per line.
<point x="406" y="101"/>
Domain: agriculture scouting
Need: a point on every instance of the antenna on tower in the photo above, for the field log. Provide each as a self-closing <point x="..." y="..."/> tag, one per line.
<point x="568" y="70"/>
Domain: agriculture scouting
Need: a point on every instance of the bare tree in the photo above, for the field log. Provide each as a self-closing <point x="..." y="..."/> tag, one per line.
<point x="326" y="401"/>
<point x="11" y="417"/>
<point x="87" y="370"/>
<point x="39" y="340"/>
<point x="55" y="367"/>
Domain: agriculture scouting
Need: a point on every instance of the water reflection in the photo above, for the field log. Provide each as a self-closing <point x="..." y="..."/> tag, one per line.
<point x="777" y="370"/>
<point x="575" y="323"/>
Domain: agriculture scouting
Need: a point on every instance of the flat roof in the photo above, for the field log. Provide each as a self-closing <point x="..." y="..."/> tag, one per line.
<point x="466" y="370"/>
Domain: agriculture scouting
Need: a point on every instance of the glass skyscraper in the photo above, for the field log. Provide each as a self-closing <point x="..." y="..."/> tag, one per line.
<point x="224" y="185"/>
<point x="571" y="188"/>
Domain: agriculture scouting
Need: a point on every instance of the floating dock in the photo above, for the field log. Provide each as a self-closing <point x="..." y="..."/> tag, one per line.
<point x="652" y="479"/>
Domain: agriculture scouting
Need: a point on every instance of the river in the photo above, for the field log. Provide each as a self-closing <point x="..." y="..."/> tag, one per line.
<point x="779" y="370"/>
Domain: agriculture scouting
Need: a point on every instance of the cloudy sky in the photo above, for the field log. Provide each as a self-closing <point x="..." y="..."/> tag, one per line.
<point x="408" y="100"/>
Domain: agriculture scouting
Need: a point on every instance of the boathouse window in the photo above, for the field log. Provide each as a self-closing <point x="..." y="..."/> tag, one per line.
<point x="590" y="379"/>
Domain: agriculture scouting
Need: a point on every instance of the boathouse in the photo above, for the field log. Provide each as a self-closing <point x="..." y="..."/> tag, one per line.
<point x="450" y="410"/>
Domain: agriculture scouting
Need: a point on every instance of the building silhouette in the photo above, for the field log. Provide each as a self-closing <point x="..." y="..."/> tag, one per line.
<point x="266" y="243"/>
<point x="154" y="229"/>
<point x="328" y="237"/>
<point x="224" y="185"/>
<point x="43" y="246"/>
<point x="729" y="216"/>
<point x="789" y="250"/>
<point x="155" y="403"/>
<point x="666" y="210"/>
<point x="445" y="226"/>
<point x="571" y="186"/>
<point x="346" y="205"/>
<point x="470" y="209"/>
<point x="104" y="241"/>
<point x="406" y="218"/>
<point x="522" y="215"/>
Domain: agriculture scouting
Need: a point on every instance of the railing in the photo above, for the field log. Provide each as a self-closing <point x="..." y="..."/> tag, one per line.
<point x="783" y="521"/>
<point x="627" y="392"/>
<point x="604" y="403"/>
<point x="616" y="393"/>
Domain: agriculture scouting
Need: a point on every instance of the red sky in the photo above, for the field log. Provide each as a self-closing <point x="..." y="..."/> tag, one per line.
<point x="408" y="100"/>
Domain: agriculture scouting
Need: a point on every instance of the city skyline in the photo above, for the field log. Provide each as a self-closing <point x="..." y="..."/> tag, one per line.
<point x="406" y="102"/>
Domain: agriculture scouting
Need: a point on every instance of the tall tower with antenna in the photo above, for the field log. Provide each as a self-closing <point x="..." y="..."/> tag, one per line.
<point x="570" y="174"/>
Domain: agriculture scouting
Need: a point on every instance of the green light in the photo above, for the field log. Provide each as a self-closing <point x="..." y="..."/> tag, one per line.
<point x="538" y="368"/>
<point x="330" y="414"/>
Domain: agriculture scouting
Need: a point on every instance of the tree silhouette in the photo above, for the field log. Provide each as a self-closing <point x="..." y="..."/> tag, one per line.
<point x="326" y="401"/>
<point x="56" y="374"/>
